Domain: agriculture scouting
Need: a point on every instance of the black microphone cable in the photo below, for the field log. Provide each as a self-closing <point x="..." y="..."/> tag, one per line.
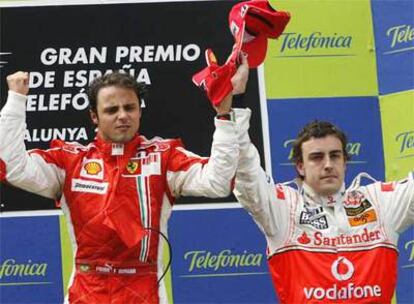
<point x="169" y="252"/>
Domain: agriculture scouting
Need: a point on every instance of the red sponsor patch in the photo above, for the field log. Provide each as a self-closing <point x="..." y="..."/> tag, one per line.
<point x="387" y="187"/>
<point x="280" y="193"/>
<point x="233" y="183"/>
<point x="2" y="171"/>
<point x="304" y="239"/>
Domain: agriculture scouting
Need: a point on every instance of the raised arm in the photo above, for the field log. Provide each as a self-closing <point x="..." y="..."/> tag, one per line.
<point x="192" y="175"/>
<point x="254" y="189"/>
<point x="18" y="167"/>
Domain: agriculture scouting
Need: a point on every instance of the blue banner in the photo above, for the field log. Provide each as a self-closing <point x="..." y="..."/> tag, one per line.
<point x="405" y="292"/>
<point x="394" y="42"/>
<point x="219" y="257"/>
<point x="30" y="260"/>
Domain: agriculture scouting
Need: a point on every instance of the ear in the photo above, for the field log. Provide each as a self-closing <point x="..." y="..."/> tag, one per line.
<point x="94" y="117"/>
<point x="300" y="168"/>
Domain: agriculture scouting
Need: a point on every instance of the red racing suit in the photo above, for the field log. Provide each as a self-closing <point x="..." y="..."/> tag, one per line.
<point x="109" y="194"/>
<point x="336" y="249"/>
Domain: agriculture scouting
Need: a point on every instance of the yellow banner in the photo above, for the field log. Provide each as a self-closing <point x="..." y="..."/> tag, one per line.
<point x="397" y="116"/>
<point x="327" y="50"/>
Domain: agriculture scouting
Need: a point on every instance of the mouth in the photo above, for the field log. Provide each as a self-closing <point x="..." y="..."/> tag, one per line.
<point x="329" y="177"/>
<point x="122" y="127"/>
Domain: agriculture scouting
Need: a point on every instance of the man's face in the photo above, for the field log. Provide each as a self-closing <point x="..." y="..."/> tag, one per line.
<point x="118" y="114"/>
<point x="323" y="164"/>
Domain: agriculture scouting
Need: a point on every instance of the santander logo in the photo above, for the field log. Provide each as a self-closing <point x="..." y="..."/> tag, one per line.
<point x="342" y="269"/>
<point x="304" y="239"/>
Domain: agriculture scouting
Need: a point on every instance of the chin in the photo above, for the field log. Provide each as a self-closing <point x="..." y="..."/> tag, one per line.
<point x="121" y="139"/>
<point x="330" y="190"/>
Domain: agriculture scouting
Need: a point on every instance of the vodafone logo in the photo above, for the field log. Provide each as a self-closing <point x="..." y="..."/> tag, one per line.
<point x="342" y="269"/>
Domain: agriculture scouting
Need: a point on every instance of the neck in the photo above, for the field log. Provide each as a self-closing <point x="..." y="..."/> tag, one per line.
<point x="325" y="200"/>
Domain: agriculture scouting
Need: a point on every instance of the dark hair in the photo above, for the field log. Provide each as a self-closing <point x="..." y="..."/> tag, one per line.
<point x="317" y="129"/>
<point x="118" y="79"/>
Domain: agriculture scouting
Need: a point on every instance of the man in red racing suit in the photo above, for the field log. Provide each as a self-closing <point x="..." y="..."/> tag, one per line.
<point x="326" y="244"/>
<point x="117" y="191"/>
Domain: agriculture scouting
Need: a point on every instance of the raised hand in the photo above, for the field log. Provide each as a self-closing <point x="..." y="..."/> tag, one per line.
<point x="19" y="82"/>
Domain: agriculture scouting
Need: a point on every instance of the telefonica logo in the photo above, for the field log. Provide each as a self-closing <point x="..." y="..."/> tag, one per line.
<point x="401" y="38"/>
<point x="315" y="41"/>
<point x="406" y="143"/>
<point x="10" y="268"/>
<point x="207" y="260"/>
<point x="409" y="248"/>
<point x="400" y="34"/>
<point x="353" y="149"/>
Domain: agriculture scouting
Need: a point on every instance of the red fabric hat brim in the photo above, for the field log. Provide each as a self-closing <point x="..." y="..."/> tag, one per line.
<point x="261" y="22"/>
<point x="271" y="24"/>
<point x="256" y="50"/>
<point x="215" y="80"/>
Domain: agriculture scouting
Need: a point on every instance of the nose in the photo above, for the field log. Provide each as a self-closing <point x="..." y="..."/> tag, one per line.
<point x="122" y="114"/>
<point x="328" y="163"/>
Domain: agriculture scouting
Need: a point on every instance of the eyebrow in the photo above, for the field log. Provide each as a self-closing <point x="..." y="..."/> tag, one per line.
<point x="117" y="106"/>
<point x="321" y="153"/>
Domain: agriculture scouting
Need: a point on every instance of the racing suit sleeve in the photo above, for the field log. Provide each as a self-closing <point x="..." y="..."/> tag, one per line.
<point x="396" y="202"/>
<point x="254" y="189"/>
<point x="35" y="171"/>
<point x="191" y="175"/>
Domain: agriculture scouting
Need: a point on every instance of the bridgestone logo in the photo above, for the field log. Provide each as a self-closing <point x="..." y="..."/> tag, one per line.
<point x="79" y="185"/>
<point x="343" y="293"/>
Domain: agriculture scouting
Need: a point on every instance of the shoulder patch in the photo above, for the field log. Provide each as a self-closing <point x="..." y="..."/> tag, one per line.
<point x="2" y="171"/>
<point x="387" y="187"/>
<point x="159" y="144"/>
<point x="71" y="147"/>
<point x="280" y="192"/>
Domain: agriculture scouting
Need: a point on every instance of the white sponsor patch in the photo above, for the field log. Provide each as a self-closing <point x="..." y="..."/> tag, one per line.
<point x="92" y="168"/>
<point x="151" y="165"/>
<point x="117" y="149"/>
<point x="80" y="185"/>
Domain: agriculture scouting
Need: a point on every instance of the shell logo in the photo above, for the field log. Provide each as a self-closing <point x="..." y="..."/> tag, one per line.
<point x="93" y="168"/>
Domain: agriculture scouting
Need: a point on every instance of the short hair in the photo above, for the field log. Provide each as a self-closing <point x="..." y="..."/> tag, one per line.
<point x="117" y="79"/>
<point x="317" y="129"/>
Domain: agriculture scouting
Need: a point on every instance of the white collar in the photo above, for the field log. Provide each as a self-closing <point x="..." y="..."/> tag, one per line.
<point x="325" y="201"/>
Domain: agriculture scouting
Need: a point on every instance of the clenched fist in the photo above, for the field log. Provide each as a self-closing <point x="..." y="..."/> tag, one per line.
<point x="19" y="82"/>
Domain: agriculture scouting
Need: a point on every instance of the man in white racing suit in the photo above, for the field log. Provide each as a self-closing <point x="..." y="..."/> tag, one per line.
<point x="326" y="244"/>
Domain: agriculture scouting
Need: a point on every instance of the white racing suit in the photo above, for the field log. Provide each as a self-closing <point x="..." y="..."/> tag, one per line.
<point x="336" y="249"/>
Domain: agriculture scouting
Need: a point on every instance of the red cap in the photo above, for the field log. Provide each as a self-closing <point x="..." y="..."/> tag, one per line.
<point x="261" y="22"/>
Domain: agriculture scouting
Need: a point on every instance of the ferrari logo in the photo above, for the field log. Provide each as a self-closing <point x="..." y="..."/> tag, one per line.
<point x="132" y="166"/>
